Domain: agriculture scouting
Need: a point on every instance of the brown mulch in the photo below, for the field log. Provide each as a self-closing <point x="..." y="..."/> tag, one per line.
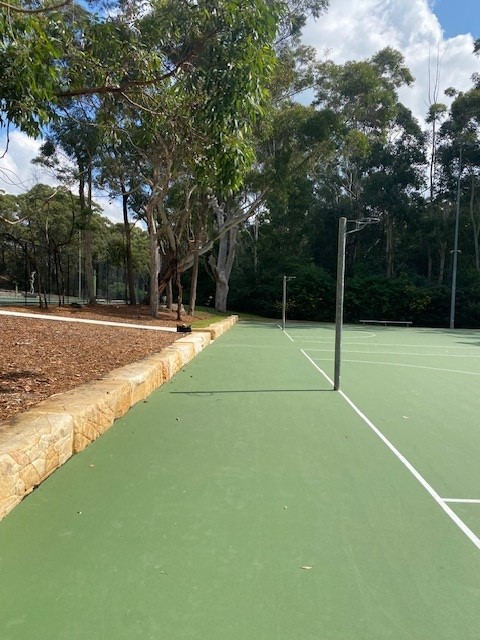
<point x="39" y="358"/>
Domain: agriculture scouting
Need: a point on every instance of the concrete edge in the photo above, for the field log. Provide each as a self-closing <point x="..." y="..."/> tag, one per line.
<point x="35" y="443"/>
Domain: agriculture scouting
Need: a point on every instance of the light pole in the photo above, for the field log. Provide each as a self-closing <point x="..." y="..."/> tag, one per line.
<point x="284" y="299"/>
<point x="455" y="247"/>
<point x="342" y="241"/>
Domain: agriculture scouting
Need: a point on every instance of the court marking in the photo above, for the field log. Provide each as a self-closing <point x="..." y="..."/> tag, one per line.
<point x="368" y="334"/>
<point x="402" y="364"/>
<point x="350" y="340"/>
<point x="404" y="353"/>
<point x="416" y="474"/>
<point x="462" y="500"/>
<point x="285" y="332"/>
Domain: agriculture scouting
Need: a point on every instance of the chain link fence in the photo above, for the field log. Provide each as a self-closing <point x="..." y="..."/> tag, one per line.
<point x="65" y="284"/>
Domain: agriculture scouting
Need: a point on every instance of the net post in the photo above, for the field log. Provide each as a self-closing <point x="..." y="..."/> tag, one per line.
<point x="342" y="235"/>
<point x="284" y="302"/>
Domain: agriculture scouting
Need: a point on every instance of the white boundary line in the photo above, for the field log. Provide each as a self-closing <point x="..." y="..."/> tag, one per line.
<point x="41" y="316"/>
<point x="351" y="338"/>
<point x="288" y="336"/>
<point x="440" y="501"/>
<point x="463" y="500"/>
<point x="401" y="364"/>
<point x="400" y="353"/>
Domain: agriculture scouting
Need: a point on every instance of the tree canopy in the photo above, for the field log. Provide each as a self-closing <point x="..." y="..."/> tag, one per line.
<point x="186" y="114"/>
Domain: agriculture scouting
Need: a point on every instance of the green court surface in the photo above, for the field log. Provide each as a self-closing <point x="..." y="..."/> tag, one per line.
<point x="246" y="500"/>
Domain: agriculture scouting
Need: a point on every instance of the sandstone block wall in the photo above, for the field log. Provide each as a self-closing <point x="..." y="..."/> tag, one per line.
<point x="35" y="443"/>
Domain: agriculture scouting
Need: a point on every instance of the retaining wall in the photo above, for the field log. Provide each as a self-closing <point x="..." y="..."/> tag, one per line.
<point x="38" y="441"/>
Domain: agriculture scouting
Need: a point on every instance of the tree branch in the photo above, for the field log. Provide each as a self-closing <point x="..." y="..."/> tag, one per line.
<point x="55" y="7"/>
<point x="121" y="88"/>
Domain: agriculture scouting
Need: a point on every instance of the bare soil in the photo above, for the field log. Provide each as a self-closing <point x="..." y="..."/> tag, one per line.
<point x="40" y="357"/>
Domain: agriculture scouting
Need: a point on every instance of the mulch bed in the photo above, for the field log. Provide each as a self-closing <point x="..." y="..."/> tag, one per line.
<point x="39" y="358"/>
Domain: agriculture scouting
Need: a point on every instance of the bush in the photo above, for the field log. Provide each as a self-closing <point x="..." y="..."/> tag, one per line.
<point x="311" y="296"/>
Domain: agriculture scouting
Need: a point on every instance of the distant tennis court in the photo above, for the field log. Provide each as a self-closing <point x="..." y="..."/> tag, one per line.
<point x="246" y="499"/>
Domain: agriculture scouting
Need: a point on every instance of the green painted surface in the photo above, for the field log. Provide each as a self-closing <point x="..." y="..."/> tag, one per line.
<point x="194" y="515"/>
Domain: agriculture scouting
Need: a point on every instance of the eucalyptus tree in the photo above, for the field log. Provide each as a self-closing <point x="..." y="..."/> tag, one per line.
<point x="193" y="130"/>
<point x="436" y="211"/>
<point x="30" y="49"/>
<point x="294" y="73"/>
<point x="118" y="174"/>
<point x="364" y="96"/>
<point x="41" y="225"/>
<point x="78" y="136"/>
<point x="393" y="183"/>
<point x="461" y="153"/>
<point x="52" y="52"/>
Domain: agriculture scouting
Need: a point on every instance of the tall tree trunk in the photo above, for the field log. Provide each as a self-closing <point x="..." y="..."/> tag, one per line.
<point x="132" y="295"/>
<point x="255" y="247"/>
<point x="169" y="294"/>
<point x="389" y="247"/>
<point x="221" y="293"/>
<point x="91" y="297"/>
<point x="194" y="282"/>
<point x="196" y="259"/>
<point x="443" y="258"/>
<point x="222" y="267"/>
<point x="475" y="229"/>
<point x="429" y="263"/>
<point x="178" y="279"/>
<point x="60" y="279"/>
<point x="153" y="254"/>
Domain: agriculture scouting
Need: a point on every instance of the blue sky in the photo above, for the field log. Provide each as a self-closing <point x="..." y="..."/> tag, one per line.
<point x="458" y="16"/>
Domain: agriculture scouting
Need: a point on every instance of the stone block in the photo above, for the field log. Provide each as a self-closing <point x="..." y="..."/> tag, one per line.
<point x="218" y="328"/>
<point x="32" y="446"/>
<point x="143" y="377"/>
<point x="93" y="408"/>
<point x="199" y="340"/>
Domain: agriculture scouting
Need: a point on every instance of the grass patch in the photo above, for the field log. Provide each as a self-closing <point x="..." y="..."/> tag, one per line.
<point x="205" y="316"/>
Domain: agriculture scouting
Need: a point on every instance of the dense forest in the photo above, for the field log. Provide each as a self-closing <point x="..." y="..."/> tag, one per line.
<point x="192" y="116"/>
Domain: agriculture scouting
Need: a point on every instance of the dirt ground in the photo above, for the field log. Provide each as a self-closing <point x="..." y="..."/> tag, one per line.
<point x="41" y="357"/>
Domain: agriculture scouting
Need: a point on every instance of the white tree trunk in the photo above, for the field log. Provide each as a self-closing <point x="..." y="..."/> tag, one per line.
<point x="154" y="260"/>
<point x="222" y="267"/>
<point x="221" y="293"/>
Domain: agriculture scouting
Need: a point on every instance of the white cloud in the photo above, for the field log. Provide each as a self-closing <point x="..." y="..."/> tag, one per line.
<point x="112" y="208"/>
<point x="355" y="31"/>
<point x="18" y="174"/>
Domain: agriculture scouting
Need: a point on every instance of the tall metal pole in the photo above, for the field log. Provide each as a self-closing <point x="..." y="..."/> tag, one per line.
<point x="284" y="302"/>
<point x="342" y="235"/>
<point x="79" y="266"/>
<point x="455" y="247"/>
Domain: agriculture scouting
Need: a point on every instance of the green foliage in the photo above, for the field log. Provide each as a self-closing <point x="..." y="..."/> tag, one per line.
<point x="310" y="296"/>
<point x="381" y="298"/>
<point x="30" y="48"/>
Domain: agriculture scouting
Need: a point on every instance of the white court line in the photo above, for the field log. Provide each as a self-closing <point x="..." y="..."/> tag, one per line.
<point x="463" y="500"/>
<point x="440" y="501"/>
<point x="401" y="364"/>
<point x="42" y="316"/>
<point x="400" y="346"/>
<point x="366" y="335"/>
<point x="399" y="353"/>
<point x="288" y="336"/>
